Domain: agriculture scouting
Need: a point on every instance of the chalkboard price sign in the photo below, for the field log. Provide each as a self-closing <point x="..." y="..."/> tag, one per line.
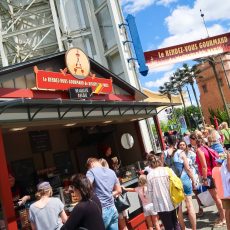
<point x="80" y="93"/>
<point x="40" y="141"/>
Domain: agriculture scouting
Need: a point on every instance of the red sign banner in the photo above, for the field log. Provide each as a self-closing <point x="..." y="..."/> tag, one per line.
<point x="188" y="51"/>
<point x="61" y="81"/>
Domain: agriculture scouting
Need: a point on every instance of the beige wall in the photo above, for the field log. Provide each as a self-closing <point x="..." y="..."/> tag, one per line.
<point x="128" y="156"/>
<point x="17" y="146"/>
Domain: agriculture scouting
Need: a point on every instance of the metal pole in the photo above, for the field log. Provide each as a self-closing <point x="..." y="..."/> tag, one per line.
<point x="212" y="64"/>
<point x="202" y="15"/>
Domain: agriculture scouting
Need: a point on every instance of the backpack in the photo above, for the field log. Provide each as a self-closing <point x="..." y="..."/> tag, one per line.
<point x="175" y="188"/>
<point x="213" y="156"/>
<point x="169" y="162"/>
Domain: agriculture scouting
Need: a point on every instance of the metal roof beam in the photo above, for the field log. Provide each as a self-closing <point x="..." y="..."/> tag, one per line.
<point x="15" y="33"/>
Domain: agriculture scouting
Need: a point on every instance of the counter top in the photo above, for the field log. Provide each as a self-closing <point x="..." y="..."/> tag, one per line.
<point x="130" y="182"/>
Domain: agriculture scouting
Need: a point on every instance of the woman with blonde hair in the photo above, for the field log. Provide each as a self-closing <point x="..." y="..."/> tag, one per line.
<point x="205" y="166"/>
<point x="104" y="163"/>
<point x="215" y="142"/>
<point x="226" y="134"/>
<point x="159" y="192"/>
<point x="48" y="212"/>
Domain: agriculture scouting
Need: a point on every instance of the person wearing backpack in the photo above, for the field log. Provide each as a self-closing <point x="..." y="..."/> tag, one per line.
<point x="158" y="184"/>
<point x="184" y="172"/>
<point x="225" y="130"/>
<point x="206" y="161"/>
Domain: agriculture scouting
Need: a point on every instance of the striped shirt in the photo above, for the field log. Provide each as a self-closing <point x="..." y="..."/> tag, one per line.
<point x="158" y="189"/>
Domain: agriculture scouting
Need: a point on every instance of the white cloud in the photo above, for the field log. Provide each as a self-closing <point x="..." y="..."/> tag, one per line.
<point x="192" y="35"/>
<point x="165" y="2"/>
<point x="160" y="81"/>
<point x="185" y="24"/>
<point x="133" y="6"/>
<point x="161" y="68"/>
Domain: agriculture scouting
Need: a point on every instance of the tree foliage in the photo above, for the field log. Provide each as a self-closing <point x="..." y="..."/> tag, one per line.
<point x="221" y="115"/>
<point x="173" y="119"/>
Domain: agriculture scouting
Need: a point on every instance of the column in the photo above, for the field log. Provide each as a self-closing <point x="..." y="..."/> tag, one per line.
<point x="5" y="191"/>
<point x="159" y="132"/>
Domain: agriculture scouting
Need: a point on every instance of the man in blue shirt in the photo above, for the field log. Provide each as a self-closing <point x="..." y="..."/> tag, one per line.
<point x="106" y="186"/>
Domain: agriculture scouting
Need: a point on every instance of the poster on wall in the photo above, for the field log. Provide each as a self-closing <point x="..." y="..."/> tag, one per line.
<point x="40" y="141"/>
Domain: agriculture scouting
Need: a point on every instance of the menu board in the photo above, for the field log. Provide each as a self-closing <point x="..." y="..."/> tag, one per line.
<point x="40" y="141"/>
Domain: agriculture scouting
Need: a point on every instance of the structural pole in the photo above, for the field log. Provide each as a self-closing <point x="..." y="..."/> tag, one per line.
<point x="159" y="132"/>
<point x="5" y="190"/>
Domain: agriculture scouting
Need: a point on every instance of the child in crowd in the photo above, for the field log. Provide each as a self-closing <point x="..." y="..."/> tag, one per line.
<point x="150" y="216"/>
<point x="48" y="212"/>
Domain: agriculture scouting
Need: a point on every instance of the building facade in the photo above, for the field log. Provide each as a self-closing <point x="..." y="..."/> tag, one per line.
<point x="38" y="28"/>
<point x="210" y="96"/>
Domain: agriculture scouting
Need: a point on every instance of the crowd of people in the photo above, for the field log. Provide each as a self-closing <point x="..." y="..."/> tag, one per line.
<point x="190" y="158"/>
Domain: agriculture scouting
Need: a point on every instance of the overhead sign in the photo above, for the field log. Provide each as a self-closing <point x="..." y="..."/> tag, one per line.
<point x="62" y="81"/>
<point x="187" y="51"/>
<point x="77" y="63"/>
<point x="80" y="93"/>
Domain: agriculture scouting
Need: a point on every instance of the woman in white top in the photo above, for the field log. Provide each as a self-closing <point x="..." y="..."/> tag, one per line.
<point x="159" y="194"/>
<point x="48" y="212"/>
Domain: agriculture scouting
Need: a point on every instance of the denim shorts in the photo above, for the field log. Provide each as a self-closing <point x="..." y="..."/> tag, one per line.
<point x="110" y="217"/>
<point x="187" y="184"/>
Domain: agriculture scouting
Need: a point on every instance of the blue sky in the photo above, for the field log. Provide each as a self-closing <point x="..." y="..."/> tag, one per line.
<point x="163" y="23"/>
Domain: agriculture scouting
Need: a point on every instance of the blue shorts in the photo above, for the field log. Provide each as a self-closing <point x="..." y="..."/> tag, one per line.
<point x="187" y="184"/>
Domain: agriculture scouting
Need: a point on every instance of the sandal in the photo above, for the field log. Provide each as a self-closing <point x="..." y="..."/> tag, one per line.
<point x="200" y="213"/>
<point x="219" y="223"/>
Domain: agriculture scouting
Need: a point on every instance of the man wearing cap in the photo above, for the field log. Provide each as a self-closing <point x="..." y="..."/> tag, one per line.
<point x="106" y="186"/>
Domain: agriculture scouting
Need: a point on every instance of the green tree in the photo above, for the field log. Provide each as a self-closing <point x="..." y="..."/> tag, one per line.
<point x="167" y="89"/>
<point x="220" y="114"/>
<point x="189" y="76"/>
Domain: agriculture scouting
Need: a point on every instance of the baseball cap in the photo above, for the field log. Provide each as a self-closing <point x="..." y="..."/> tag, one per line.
<point x="43" y="186"/>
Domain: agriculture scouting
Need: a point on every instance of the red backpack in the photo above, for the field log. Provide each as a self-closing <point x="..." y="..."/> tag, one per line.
<point x="213" y="156"/>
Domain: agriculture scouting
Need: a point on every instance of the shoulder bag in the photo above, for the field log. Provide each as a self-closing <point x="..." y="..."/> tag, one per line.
<point x="122" y="202"/>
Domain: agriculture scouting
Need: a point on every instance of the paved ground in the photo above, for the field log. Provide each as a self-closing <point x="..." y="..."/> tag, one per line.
<point x="206" y="222"/>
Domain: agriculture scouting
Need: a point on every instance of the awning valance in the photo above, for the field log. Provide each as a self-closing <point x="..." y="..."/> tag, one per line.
<point x="22" y="110"/>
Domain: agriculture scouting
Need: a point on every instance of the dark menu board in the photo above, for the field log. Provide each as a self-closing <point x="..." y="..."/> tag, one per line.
<point x="40" y="141"/>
